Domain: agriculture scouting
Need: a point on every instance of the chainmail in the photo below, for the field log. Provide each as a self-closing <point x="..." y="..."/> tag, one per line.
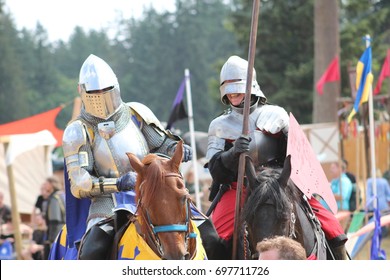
<point x="121" y="118"/>
<point x="158" y="143"/>
<point x="101" y="207"/>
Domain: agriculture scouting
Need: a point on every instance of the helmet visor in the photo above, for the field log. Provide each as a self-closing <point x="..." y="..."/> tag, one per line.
<point x="101" y="104"/>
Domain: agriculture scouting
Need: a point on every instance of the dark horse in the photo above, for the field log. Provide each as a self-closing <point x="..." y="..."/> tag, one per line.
<point x="275" y="206"/>
<point x="162" y="227"/>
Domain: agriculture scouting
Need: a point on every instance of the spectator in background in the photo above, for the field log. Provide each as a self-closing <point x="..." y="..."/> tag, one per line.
<point x="382" y="191"/>
<point x="8" y="234"/>
<point x="280" y="248"/>
<point x="40" y="204"/>
<point x="55" y="212"/>
<point x="4" y="209"/>
<point x="349" y="174"/>
<point x="38" y="237"/>
<point x="354" y="199"/>
<point x="341" y="186"/>
<point x="386" y="175"/>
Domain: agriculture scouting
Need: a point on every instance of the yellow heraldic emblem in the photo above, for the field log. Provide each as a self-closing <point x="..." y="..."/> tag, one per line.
<point x="133" y="247"/>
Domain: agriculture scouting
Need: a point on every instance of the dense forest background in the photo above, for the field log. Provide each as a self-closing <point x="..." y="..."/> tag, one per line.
<point x="149" y="56"/>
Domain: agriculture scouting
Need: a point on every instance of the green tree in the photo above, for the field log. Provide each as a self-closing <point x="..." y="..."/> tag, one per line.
<point x="284" y="60"/>
<point x="13" y="105"/>
<point x="161" y="46"/>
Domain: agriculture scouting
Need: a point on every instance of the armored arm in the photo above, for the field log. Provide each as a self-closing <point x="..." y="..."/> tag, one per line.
<point x="215" y="149"/>
<point x="273" y="119"/>
<point x="79" y="162"/>
<point x="159" y="140"/>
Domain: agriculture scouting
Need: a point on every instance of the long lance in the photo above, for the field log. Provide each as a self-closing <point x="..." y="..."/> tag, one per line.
<point x="245" y="125"/>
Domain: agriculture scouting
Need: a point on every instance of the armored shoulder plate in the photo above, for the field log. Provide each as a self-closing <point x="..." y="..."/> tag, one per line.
<point x="146" y="114"/>
<point x="74" y="137"/>
<point x="227" y="126"/>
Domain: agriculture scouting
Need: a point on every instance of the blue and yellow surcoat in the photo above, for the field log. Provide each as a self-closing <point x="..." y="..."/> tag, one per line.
<point x="133" y="247"/>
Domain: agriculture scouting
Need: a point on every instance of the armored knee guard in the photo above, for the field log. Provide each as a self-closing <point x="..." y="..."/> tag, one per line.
<point x="97" y="242"/>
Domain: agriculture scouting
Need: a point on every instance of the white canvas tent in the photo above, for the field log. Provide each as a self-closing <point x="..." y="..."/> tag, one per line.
<point x="26" y="157"/>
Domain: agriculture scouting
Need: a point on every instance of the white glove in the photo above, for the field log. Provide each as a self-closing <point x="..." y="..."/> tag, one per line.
<point x="273" y="119"/>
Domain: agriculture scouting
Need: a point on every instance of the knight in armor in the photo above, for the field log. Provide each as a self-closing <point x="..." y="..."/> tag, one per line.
<point x="266" y="145"/>
<point x="95" y="146"/>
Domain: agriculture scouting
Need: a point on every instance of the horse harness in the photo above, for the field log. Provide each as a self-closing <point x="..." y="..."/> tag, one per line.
<point x="153" y="230"/>
<point x="291" y="233"/>
<point x="303" y="210"/>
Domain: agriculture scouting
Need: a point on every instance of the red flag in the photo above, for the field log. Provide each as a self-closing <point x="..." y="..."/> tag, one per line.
<point x="385" y="72"/>
<point x="46" y="120"/>
<point x="331" y="74"/>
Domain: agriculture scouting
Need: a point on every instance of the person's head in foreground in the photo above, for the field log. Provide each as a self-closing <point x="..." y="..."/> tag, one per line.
<point x="280" y="248"/>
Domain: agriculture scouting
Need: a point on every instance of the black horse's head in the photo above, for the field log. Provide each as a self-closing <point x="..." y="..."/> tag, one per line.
<point x="270" y="202"/>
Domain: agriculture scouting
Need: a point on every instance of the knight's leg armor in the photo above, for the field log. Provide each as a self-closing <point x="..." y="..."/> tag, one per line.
<point x="97" y="242"/>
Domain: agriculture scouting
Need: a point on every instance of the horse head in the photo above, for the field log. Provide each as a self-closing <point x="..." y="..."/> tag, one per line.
<point x="268" y="209"/>
<point x="163" y="204"/>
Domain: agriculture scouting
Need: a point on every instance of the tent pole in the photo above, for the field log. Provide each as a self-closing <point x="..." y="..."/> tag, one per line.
<point x="14" y="207"/>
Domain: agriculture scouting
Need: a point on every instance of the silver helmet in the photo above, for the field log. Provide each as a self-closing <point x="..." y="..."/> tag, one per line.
<point x="99" y="88"/>
<point x="233" y="79"/>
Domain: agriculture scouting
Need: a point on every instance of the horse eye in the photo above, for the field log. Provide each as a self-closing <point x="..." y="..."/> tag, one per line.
<point x="181" y="185"/>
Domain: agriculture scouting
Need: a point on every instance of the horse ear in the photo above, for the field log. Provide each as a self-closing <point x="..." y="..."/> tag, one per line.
<point x="286" y="172"/>
<point x="178" y="155"/>
<point x="250" y="172"/>
<point x="135" y="163"/>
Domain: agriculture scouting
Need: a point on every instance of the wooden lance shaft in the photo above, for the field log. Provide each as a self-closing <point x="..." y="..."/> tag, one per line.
<point x="245" y="125"/>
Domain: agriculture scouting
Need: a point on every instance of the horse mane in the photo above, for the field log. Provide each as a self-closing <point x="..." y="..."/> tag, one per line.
<point x="149" y="180"/>
<point x="269" y="189"/>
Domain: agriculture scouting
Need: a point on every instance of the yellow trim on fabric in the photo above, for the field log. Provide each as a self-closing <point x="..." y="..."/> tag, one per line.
<point x="200" y="251"/>
<point x="64" y="233"/>
<point x="136" y="248"/>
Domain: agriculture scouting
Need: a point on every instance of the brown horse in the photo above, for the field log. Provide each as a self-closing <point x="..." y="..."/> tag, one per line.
<point x="162" y="227"/>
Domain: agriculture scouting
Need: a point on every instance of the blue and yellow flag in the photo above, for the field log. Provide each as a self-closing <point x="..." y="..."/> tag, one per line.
<point x="364" y="79"/>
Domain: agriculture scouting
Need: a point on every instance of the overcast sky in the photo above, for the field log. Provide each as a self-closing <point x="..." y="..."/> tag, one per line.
<point x="59" y="17"/>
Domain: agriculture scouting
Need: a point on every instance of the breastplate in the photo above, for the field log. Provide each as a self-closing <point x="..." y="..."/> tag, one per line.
<point x="110" y="154"/>
<point x="263" y="148"/>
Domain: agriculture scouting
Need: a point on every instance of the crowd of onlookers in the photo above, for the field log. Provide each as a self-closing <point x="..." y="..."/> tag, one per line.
<point x="37" y="235"/>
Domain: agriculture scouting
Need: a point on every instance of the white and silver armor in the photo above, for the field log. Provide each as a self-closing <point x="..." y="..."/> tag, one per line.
<point x="95" y="144"/>
<point x="263" y="148"/>
<point x="264" y="120"/>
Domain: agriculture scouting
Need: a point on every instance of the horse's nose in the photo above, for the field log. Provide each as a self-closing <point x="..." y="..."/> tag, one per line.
<point x="182" y="257"/>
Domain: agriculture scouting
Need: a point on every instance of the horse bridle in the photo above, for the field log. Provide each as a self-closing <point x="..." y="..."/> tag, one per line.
<point x="291" y="232"/>
<point x="155" y="230"/>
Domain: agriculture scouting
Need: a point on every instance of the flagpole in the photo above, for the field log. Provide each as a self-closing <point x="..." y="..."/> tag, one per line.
<point x="192" y="135"/>
<point x="372" y="135"/>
